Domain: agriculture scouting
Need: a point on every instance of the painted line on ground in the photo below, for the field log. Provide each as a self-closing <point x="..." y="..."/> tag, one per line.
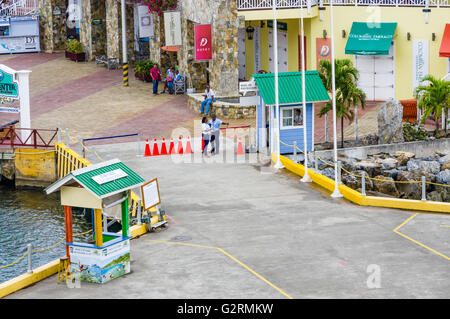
<point x="229" y="256"/>
<point x="445" y="226"/>
<point x="396" y="230"/>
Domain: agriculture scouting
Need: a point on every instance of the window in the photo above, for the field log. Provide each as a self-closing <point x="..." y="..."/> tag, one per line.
<point x="291" y="117"/>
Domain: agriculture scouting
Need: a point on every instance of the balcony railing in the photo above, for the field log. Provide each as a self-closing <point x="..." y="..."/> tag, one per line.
<point x="284" y="4"/>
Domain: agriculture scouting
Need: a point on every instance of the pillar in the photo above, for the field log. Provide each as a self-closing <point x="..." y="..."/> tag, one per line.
<point x="86" y="29"/>
<point x="155" y="42"/>
<point x="112" y="29"/>
<point x="98" y="227"/>
<point x="46" y="25"/>
<point x="68" y="224"/>
<point x="125" y="219"/>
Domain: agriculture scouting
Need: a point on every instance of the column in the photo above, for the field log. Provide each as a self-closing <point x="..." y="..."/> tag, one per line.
<point x="125" y="219"/>
<point x="112" y="29"/>
<point x="86" y="29"/>
<point x="98" y="227"/>
<point x="46" y="25"/>
<point x="68" y="224"/>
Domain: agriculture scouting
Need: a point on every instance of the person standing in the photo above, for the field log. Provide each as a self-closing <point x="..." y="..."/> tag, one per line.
<point x="206" y="133"/>
<point x="169" y="80"/>
<point x="215" y="126"/>
<point x="156" y="77"/>
<point x="209" y="99"/>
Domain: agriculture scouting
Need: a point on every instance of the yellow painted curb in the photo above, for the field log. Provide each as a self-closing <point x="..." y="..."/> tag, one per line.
<point x="355" y="196"/>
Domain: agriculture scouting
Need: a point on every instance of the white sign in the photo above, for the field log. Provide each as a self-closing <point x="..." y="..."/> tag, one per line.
<point x="9" y="110"/>
<point x="172" y="28"/>
<point x="257" y="49"/>
<point x="145" y="22"/>
<point x="109" y="176"/>
<point x="247" y="86"/>
<point x="150" y="194"/>
<point x="420" y="61"/>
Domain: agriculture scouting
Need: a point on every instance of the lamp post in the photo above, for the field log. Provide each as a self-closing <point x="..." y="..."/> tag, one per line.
<point x="278" y="165"/>
<point x="336" y="192"/>
<point x="124" y="45"/>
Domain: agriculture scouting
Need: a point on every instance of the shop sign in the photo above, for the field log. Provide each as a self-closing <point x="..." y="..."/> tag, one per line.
<point x="19" y="44"/>
<point x="420" y="62"/>
<point x="8" y="86"/>
<point x="172" y="28"/>
<point x="247" y="86"/>
<point x="109" y="176"/>
<point x="323" y="50"/>
<point x="281" y="26"/>
<point x="96" y="21"/>
<point x="203" y="42"/>
<point x="145" y="22"/>
<point x="9" y="110"/>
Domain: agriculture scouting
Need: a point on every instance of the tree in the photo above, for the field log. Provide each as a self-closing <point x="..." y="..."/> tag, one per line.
<point x="434" y="97"/>
<point x="347" y="93"/>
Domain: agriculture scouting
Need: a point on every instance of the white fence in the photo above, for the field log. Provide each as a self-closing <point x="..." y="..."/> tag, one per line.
<point x="283" y="4"/>
<point x="20" y="8"/>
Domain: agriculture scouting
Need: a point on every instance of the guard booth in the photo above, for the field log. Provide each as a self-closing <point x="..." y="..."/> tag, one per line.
<point x="105" y="188"/>
<point x="290" y="117"/>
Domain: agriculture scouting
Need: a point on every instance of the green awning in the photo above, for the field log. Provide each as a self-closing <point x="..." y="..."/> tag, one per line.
<point x="370" y="38"/>
<point x="290" y="87"/>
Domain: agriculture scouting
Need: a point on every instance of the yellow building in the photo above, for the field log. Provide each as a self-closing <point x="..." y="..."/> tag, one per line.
<point x="417" y="26"/>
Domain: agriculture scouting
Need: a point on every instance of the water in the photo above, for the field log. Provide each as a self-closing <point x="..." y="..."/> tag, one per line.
<point x="32" y="217"/>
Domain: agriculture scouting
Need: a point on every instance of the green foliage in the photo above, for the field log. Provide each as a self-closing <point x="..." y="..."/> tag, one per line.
<point x="143" y="67"/>
<point x="348" y="96"/>
<point x="413" y="132"/>
<point x="74" y="46"/>
<point x="433" y="97"/>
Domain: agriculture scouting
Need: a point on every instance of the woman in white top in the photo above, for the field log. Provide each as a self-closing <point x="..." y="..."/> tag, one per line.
<point x="206" y="133"/>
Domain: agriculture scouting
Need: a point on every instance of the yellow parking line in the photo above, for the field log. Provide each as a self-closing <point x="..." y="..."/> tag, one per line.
<point x="229" y="256"/>
<point x="445" y="225"/>
<point x="415" y="241"/>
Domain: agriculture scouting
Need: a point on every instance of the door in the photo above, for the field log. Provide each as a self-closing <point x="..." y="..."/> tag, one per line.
<point x="241" y="54"/>
<point x="282" y="51"/>
<point x="300" y="53"/>
<point x="377" y="75"/>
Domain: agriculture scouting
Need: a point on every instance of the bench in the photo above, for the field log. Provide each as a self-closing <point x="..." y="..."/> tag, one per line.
<point x="110" y="63"/>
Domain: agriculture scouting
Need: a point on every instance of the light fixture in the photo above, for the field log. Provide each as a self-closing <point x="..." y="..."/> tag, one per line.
<point x="343" y="33"/>
<point x="250" y="31"/>
<point x="325" y="33"/>
<point x="433" y="36"/>
<point x="408" y="36"/>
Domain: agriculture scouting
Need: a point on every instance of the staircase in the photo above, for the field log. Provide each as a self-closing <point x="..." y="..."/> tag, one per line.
<point x="19" y="8"/>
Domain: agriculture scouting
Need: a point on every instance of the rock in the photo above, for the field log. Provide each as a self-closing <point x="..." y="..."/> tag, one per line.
<point x="404" y="154"/>
<point x="351" y="181"/>
<point x="443" y="152"/>
<point x="443" y="177"/>
<point x="445" y="166"/>
<point x="369" y="139"/>
<point x="412" y="190"/>
<point x="390" y="128"/>
<point x="435" y="196"/>
<point x="433" y="157"/>
<point x="444" y="159"/>
<point x="392" y="173"/>
<point x="371" y="168"/>
<point x="328" y="172"/>
<point x="387" y="163"/>
<point x="432" y="167"/>
<point x="386" y="187"/>
<point x="402" y="168"/>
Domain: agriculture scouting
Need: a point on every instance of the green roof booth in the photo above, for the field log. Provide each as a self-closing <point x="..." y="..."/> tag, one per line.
<point x="105" y="188"/>
<point x="291" y="109"/>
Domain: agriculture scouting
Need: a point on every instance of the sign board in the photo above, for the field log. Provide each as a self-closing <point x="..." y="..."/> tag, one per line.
<point x="97" y="21"/>
<point x="145" y="22"/>
<point x="323" y="50"/>
<point x="203" y="42"/>
<point x="109" y="176"/>
<point x="420" y="61"/>
<point x="9" y="110"/>
<point x="247" y="86"/>
<point x="8" y="85"/>
<point x="257" y="50"/>
<point x="150" y="194"/>
<point x="281" y="26"/>
<point x="172" y="28"/>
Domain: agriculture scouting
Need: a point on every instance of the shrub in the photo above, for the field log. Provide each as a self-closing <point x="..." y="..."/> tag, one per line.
<point x="74" y="46"/>
<point x="413" y="132"/>
<point x="143" y="67"/>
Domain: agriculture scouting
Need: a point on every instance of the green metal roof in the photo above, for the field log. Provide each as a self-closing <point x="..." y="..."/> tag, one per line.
<point x="290" y="87"/>
<point x="84" y="177"/>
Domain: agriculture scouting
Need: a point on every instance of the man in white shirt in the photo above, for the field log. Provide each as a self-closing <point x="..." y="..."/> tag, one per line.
<point x="209" y="99"/>
<point x="215" y="126"/>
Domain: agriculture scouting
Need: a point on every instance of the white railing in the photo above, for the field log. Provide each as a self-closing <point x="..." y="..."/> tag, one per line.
<point x="20" y="8"/>
<point x="282" y="4"/>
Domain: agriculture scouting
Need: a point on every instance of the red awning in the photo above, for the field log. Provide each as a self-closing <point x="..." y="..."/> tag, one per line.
<point x="170" y="48"/>
<point x="444" y="51"/>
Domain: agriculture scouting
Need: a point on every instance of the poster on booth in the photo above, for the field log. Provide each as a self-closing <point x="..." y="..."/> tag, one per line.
<point x="100" y="265"/>
<point x="203" y="42"/>
<point x="150" y="194"/>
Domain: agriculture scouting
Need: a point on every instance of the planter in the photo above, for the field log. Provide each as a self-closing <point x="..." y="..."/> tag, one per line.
<point x="143" y="77"/>
<point x="77" y="57"/>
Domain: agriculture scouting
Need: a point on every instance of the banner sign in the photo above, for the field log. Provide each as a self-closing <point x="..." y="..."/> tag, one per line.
<point x="420" y="61"/>
<point x="323" y="50"/>
<point x="19" y="44"/>
<point x="257" y="49"/>
<point x="145" y="22"/>
<point x="8" y="86"/>
<point x="203" y="42"/>
<point x="172" y="28"/>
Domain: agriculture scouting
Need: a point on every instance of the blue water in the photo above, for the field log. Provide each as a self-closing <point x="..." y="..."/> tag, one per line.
<point x="32" y="217"/>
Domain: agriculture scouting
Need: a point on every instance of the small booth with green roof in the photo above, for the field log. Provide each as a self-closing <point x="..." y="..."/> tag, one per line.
<point x="105" y="188"/>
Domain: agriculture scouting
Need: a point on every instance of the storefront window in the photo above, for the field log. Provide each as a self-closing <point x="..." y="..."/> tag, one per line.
<point x="291" y="117"/>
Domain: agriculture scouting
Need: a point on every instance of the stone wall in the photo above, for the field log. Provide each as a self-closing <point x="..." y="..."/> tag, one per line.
<point x="223" y="110"/>
<point x="98" y="30"/>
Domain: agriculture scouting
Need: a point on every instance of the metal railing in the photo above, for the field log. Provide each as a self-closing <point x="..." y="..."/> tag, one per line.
<point x="292" y="4"/>
<point x="20" y="8"/>
<point x="27" y="137"/>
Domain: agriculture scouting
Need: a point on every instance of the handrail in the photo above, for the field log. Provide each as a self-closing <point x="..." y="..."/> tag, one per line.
<point x="34" y="139"/>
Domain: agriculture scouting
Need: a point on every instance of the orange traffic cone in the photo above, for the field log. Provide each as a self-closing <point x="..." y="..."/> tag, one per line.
<point x="172" y="147"/>
<point x="240" y="149"/>
<point x="155" y="148"/>
<point x="188" y="146"/>
<point x="164" y="148"/>
<point x="147" y="150"/>
<point x="180" y="146"/>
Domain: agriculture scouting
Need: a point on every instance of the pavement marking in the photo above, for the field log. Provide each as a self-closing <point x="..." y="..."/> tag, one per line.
<point x="415" y="241"/>
<point x="445" y="225"/>
<point x="229" y="256"/>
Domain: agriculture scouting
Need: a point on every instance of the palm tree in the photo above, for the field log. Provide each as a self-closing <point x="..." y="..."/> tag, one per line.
<point x="347" y="93"/>
<point x="433" y="97"/>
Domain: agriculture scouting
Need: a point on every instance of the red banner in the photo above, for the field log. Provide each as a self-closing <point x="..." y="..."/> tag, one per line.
<point x="203" y="42"/>
<point x="323" y="50"/>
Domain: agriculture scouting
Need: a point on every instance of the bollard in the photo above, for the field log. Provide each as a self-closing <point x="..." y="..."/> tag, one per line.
<point x="363" y="184"/>
<point x="339" y="177"/>
<point x="424" y="190"/>
<point x="30" y="266"/>
<point x="295" y="152"/>
<point x="67" y="137"/>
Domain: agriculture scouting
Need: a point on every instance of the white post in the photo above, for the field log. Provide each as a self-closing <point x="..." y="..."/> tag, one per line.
<point x="306" y="178"/>
<point x="336" y="192"/>
<point x="278" y="165"/>
<point x="23" y="79"/>
<point x="427" y="7"/>
<point x="356" y="122"/>
<point x="30" y="265"/>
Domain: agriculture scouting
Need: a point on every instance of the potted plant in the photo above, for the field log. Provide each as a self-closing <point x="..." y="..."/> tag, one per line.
<point x="142" y="70"/>
<point x="75" y="51"/>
